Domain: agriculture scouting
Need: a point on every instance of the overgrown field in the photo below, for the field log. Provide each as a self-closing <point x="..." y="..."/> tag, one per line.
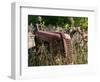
<point x="40" y="54"/>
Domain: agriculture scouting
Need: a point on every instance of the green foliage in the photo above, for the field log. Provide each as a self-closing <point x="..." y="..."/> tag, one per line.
<point x="64" y="22"/>
<point x="82" y="22"/>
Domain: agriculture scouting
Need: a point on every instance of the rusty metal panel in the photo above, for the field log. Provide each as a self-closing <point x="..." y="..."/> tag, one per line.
<point x="48" y="36"/>
<point x="51" y="37"/>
